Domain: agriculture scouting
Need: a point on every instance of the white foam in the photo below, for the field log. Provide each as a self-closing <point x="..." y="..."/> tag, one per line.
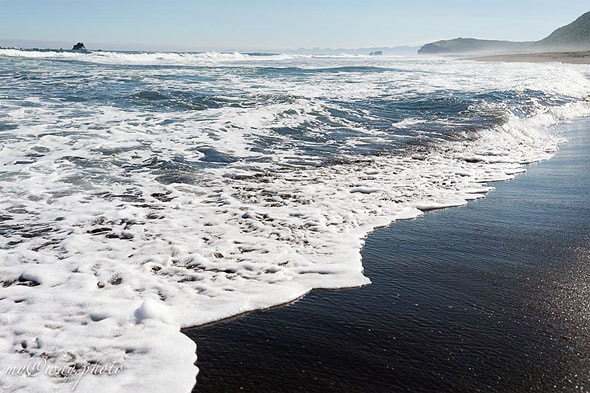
<point x="122" y="261"/>
<point x="407" y="123"/>
<point x="147" y="58"/>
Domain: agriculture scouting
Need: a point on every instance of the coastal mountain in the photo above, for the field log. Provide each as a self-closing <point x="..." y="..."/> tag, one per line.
<point x="473" y="45"/>
<point x="575" y="36"/>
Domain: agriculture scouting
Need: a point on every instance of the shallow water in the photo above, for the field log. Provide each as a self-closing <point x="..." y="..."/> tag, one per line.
<point x="489" y="297"/>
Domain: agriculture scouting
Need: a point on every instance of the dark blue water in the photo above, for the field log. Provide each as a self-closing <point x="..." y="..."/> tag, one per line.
<point x="331" y="127"/>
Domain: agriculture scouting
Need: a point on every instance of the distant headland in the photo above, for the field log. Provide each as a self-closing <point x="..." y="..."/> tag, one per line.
<point x="574" y="37"/>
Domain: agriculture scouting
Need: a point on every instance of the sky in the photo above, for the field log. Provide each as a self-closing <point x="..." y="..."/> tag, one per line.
<point x="275" y="25"/>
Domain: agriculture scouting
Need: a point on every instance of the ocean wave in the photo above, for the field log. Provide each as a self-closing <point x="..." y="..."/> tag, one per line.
<point x="136" y="216"/>
<point x="141" y="58"/>
<point x="168" y="58"/>
<point x="151" y="58"/>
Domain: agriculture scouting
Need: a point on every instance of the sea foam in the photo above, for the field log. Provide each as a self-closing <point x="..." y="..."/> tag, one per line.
<point x="121" y="225"/>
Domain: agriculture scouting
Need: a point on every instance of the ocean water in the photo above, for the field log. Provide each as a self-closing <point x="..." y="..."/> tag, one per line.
<point x="489" y="297"/>
<point x="144" y="192"/>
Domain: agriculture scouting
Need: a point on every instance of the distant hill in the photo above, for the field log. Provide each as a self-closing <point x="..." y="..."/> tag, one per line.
<point x="397" y="50"/>
<point x="575" y="36"/>
<point x="473" y="45"/>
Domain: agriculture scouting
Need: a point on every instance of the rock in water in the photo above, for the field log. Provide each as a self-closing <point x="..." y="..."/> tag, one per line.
<point x="79" y="47"/>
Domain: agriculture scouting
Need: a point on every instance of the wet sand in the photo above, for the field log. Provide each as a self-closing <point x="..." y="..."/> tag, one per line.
<point x="492" y="297"/>
<point x="559" y="57"/>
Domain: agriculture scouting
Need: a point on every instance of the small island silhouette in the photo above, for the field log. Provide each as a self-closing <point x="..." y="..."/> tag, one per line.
<point x="79" y="47"/>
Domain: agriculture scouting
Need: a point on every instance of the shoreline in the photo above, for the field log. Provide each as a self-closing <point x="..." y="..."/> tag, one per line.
<point x="314" y="333"/>
<point x="582" y="57"/>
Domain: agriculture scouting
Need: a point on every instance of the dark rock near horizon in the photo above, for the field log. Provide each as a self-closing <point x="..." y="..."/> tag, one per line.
<point x="376" y="53"/>
<point x="572" y="37"/>
<point x="79" y="47"/>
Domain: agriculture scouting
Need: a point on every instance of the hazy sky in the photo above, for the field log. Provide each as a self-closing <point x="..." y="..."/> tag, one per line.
<point x="275" y="24"/>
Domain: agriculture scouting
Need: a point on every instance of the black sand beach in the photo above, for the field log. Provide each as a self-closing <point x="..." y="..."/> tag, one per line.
<point x="580" y="57"/>
<point x="491" y="297"/>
